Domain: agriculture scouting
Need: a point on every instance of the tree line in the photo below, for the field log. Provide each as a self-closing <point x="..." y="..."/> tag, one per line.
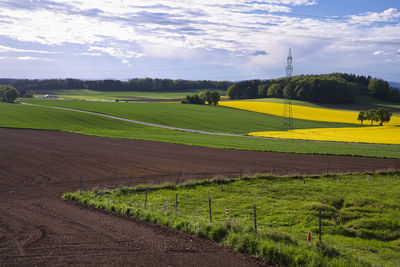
<point x="325" y="88"/>
<point x="211" y="97"/>
<point x="137" y="84"/>
<point x="380" y="115"/>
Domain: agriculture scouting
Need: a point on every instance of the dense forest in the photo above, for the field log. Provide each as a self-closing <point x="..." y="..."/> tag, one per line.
<point x="137" y="84"/>
<point x="324" y="88"/>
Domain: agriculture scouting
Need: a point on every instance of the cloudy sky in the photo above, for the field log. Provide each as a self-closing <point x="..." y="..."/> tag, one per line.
<point x="198" y="39"/>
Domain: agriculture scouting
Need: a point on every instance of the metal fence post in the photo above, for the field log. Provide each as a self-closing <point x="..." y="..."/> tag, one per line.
<point x="176" y="204"/>
<point x="255" y="218"/>
<point x="209" y="207"/>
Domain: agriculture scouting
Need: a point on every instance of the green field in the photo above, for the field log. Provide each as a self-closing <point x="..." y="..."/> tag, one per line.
<point x="85" y="94"/>
<point x="370" y="101"/>
<point x="196" y="117"/>
<point x="23" y="116"/>
<point x="281" y="101"/>
<point x="360" y="215"/>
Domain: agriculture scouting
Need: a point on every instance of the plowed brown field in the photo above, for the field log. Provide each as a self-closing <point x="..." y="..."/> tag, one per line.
<point x="38" y="228"/>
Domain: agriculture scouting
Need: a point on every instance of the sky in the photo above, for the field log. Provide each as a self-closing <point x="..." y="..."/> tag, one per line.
<point x="198" y="39"/>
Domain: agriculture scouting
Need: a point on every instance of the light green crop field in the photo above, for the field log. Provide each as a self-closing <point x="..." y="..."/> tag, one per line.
<point x="368" y="100"/>
<point x="196" y="117"/>
<point x="85" y="94"/>
<point x="31" y="117"/>
<point x="281" y="101"/>
<point x="360" y="214"/>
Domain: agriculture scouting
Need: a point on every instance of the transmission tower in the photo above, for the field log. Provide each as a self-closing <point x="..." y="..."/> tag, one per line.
<point x="287" y="118"/>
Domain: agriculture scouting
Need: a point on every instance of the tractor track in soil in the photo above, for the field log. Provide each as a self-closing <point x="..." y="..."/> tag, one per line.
<point x="38" y="228"/>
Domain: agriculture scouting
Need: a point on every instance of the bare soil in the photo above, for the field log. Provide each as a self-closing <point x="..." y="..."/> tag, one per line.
<point x="38" y="228"/>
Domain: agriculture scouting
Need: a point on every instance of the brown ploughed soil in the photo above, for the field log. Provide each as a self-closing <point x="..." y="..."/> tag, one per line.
<point x="38" y="228"/>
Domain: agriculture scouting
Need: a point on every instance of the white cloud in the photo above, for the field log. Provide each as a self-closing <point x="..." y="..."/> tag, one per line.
<point x="388" y="15"/>
<point x="377" y="52"/>
<point x="91" y="54"/>
<point x="12" y="49"/>
<point x="116" y="51"/>
<point x="194" y="29"/>
<point x="35" y="58"/>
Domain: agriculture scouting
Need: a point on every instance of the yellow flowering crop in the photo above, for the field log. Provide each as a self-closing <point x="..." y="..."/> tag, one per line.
<point x="301" y="112"/>
<point x="375" y="135"/>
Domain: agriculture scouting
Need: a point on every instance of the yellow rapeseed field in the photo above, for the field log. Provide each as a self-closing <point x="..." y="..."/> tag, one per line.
<point x="301" y="112"/>
<point x="375" y="134"/>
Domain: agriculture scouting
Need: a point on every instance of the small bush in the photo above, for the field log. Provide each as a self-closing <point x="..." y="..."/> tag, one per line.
<point x="218" y="233"/>
<point x="326" y="250"/>
<point x="279" y="255"/>
<point x="280" y="237"/>
<point x="248" y="243"/>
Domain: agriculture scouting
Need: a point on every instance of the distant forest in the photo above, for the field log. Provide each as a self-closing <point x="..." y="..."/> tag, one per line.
<point x="324" y="88"/>
<point x="142" y="84"/>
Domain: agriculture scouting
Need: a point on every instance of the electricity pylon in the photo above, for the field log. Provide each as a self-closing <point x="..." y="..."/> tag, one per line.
<point x="287" y="118"/>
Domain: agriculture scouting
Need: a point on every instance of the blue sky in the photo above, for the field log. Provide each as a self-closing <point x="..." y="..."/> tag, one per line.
<point x="193" y="39"/>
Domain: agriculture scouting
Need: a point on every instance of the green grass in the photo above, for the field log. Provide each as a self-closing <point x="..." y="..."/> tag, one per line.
<point x="370" y="101"/>
<point x="282" y="101"/>
<point x="196" y="117"/>
<point x="360" y="215"/>
<point x="22" y="116"/>
<point x="85" y="94"/>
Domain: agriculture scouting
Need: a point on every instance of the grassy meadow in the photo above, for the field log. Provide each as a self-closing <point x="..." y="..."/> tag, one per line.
<point x="32" y="117"/>
<point x="360" y="215"/>
<point x="85" y="94"/>
<point x="196" y="117"/>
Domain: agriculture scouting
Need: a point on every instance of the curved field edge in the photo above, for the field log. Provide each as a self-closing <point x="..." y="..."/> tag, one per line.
<point x="196" y="117"/>
<point x="30" y="117"/>
<point x="359" y="215"/>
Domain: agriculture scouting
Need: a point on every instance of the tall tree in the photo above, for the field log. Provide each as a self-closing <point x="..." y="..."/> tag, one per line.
<point x="215" y="97"/>
<point x="383" y="115"/>
<point x="361" y="116"/>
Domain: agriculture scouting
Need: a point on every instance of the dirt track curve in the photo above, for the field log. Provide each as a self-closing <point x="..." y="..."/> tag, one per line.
<point x="38" y="228"/>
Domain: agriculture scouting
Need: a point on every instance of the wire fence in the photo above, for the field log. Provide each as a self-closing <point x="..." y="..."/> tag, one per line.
<point x="212" y="208"/>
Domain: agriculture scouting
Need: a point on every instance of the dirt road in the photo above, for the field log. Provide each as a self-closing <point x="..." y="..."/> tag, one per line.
<point x="38" y="228"/>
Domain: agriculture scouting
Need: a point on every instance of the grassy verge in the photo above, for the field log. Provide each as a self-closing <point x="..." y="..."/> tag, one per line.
<point x="22" y="116"/>
<point x="360" y="215"/>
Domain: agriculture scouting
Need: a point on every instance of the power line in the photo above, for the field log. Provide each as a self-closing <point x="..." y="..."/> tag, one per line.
<point x="245" y="30"/>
